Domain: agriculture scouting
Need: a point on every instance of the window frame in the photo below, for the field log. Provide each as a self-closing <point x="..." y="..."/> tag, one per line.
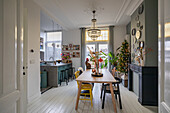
<point x="45" y="53"/>
<point x="97" y="40"/>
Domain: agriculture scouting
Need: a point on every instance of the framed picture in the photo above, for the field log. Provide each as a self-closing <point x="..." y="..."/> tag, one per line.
<point x="141" y="27"/>
<point x="141" y="44"/>
<point x="140" y="9"/>
<point x="134" y="40"/>
<point x="138" y="23"/>
<point x="138" y="35"/>
<point x="133" y="31"/>
<point x="137" y="18"/>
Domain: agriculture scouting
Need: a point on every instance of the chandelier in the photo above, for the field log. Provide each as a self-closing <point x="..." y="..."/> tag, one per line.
<point x="94" y="33"/>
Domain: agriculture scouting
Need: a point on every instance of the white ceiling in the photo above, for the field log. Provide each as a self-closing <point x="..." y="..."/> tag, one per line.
<point x="47" y="23"/>
<point x="72" y="14"/>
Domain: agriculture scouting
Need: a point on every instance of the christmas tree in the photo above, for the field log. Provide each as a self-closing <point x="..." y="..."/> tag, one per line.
<point x="123" y="57"/>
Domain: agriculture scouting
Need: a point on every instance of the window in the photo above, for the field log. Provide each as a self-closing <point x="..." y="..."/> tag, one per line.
<point x="53" y="46"/>
<point x="101" y="44"/>
<point x="104" y="36"/>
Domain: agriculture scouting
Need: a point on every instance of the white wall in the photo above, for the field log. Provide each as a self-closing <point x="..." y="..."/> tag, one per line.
<point x="119" y="36"/>
<point x="33" y="43"/>
<point x="73" y="37"/>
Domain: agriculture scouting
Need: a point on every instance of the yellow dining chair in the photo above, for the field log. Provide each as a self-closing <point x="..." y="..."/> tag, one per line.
<point x="86" y="89"/>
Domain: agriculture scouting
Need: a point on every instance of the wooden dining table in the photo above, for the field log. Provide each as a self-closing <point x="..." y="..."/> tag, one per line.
<point x="86" y="77"/>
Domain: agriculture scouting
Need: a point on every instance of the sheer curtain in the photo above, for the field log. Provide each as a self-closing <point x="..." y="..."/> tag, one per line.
<point x="111" y="43"/>
<point x="83" y="48"/>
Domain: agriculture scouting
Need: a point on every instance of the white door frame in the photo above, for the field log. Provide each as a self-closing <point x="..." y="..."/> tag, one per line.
<point x="25" y="60"/>
<point x="11" y="100"/>
<point x="163" y="106"/>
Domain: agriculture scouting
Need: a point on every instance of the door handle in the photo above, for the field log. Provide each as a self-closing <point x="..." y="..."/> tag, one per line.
<point x="23" y="73"/>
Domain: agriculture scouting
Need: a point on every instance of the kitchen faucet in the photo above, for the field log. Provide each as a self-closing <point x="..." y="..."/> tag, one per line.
<point x="51" y="58"/>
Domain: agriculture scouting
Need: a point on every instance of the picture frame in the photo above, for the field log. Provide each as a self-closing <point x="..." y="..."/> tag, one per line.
<point x="141" y="27"/>
<point x="138" y="34"/>
<point x="140" y="9"/>
<point x="137" y="18"/>
<point x="133" y="31"/>
<point x="138" y="24"/>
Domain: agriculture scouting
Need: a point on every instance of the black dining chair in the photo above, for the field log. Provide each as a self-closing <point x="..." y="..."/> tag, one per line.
<point x="106" y="89"/>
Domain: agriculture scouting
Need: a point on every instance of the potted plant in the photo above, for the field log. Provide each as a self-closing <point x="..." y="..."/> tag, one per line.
<point x="113" y="59"/>
<point x="123" y="60"/>
<point x="123" y="57"/>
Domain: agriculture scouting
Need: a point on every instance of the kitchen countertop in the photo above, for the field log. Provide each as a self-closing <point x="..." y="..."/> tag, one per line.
<point x="53" y="65"/>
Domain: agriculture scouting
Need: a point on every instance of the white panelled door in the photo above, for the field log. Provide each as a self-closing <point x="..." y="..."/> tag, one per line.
<point x="11" y="47"/>
<point x="164" y="56"/>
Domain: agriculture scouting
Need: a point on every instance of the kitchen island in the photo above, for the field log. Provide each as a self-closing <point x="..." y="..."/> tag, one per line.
<point x="53" y="72"/>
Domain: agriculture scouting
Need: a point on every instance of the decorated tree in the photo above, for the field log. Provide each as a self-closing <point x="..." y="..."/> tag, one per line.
<point x="123" y="57"/>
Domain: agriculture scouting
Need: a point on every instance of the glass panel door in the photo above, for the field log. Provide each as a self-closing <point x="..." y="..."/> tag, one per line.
<point x="92" y="48"/>
<point x="96" y="47"/>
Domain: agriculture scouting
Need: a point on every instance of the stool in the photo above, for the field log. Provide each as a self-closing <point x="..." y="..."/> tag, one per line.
<point x="72" y="72"/>
<point x="67" y="75"/>
<point x="62" y="76"/>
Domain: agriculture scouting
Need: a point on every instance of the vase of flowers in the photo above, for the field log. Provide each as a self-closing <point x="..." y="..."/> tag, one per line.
<point x="94" y="56"/>
<point x="65" y="57"/>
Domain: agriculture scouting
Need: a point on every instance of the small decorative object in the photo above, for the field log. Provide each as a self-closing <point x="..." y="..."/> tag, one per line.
<point x="41" y="43"/>
<point x="88" y="65"/>
<point x="133" y="46"/>
<point x="141" y="27"/>
<point x="138" y="34"/>
<point x="138" y="23"/>
<point x="70" y="45"/>
<point x="140" y="9"/>
<point x="135" y="50"/>
<point x="58" y="61"/>
<point x="134" y="40"/>
<point x="133" y="31"/>
<point x="141" y="44"/>
<point x="137" y="18"/>
<point x="93" y="70"/>
<point x="95" y="58"/>
<point x="139" y="57"/>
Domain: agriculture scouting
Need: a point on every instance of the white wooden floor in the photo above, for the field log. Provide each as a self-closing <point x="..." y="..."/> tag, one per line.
<point x="62" y="100"/>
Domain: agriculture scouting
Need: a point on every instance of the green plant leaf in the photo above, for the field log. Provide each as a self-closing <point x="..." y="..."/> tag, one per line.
<point x="102" y="66"/>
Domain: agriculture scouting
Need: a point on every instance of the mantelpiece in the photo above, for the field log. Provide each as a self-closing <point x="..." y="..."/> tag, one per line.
<point x="148" y="83"/>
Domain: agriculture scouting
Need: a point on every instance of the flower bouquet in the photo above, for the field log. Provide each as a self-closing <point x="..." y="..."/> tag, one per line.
<point x="65" y="57"/>
<point x="95" y="58"/>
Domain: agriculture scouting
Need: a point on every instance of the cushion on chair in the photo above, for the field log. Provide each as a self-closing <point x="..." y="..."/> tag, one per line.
<point x="85" y="91"/>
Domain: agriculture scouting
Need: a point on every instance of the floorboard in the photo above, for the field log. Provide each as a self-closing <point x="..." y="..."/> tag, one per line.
<point x="63" y="99"/>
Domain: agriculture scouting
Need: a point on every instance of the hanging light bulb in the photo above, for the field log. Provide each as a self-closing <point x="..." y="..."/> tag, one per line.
<point x="94" y="33"/>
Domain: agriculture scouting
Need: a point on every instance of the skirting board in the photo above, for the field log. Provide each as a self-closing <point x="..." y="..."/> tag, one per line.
<point x="34" y="97"/>
<point x="164" y="108"/>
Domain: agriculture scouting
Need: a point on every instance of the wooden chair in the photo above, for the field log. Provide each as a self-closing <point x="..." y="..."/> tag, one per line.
<point x="116" y="90"/>
<point x="86" y="90"/>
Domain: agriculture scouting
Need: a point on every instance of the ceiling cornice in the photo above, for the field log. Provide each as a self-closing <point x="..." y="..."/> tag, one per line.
<point x="122" y="10"/>
<point x="133" y="7"/>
